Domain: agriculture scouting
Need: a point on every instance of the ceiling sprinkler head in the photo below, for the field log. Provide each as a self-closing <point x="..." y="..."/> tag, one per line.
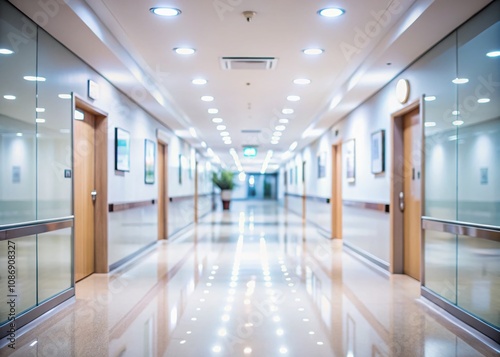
<point x="249" y="15"/>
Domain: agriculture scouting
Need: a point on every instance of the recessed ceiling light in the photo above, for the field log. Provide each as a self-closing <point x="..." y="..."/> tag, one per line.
<point x="460" y="80"/>
<point x="287" y="111"/>
<point x="483" y="100"/>
<point x="277" y="133"/>
<point x="228" y="142"/>
<point x="40" y="120"/>
<point x="34" y="78"/>
<point x="331" y="12"/>
<point x="5" y="51"/>
<point x="64" y="96"/>
<point x="430" y="98"/>
<point x="203" y="144"/>
<point x="19" y="134"/>
<point x="458" y="122"/>
<point x="430" y="123"/>
<point x="207" y="98"/>
<point x="40" y="110"/>
<point x="9" y="97"/>
<point x="280" y="127"/>
<point x="493" y="54"/>
<point x="199" y="81"/>
<point x="283" y="121"/>
<point x="192" y="131"/>
<point x="184" y="50"/>
<point x="224" y="133"/>
<point x="313" y="51"/>
<point x="217" y="120"/>
<point x="165" y="11"/>
<point x="221" y="127"/>
<point x="302" y="81"/>
<point x="217" y="349"/>
<point x="293" y="98"/>
<point x="213" y="111"/>
<point x="455" y="112"/>
<point x="293" y="146"/>
<point x="274" y="142"/>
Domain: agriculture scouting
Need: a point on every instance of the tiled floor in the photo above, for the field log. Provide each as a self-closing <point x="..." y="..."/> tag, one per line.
<point x="250" y="282"/>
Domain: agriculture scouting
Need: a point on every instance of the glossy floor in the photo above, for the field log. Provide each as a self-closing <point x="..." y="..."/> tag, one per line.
<point x="254" y="281"/>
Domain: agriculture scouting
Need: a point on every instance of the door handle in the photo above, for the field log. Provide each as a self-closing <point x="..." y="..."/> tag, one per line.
<point x="94" y="195"/>
<point x="401" y="201"/>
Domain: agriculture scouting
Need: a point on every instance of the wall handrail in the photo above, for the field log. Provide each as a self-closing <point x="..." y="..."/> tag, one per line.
<point x="180" y="198"/>
<point x="18" y="230"/>
<point x="462" y="228"/>
<point x="317" y="198"/>
<point x="294" y="195"/>
<point x="381" y="207"/>
<point x="115" y="207"/>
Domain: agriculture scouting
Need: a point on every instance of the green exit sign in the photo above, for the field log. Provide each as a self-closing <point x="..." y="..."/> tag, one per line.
<point x="249" y="151"/>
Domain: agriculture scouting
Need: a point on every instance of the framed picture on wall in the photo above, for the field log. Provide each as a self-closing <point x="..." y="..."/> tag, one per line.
<point x="180" y="169"/>
<point x="378" y="152"/>
<point x="122" y="150"/>
<point x="322" y="164"/>
<point x="149" y="161"/>
<point x="350" y="160"/>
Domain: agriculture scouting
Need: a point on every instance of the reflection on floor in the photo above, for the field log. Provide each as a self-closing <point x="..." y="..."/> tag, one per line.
<point x="250" y="282"/>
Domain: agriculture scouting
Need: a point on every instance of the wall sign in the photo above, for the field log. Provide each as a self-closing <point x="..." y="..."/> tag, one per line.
<point x="16" y="174"/>
<point x="484" y="175"/>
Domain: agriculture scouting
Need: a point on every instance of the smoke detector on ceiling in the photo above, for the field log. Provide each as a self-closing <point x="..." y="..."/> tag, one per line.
<point x="262" y="63"/>
<point x="249" y="15"/>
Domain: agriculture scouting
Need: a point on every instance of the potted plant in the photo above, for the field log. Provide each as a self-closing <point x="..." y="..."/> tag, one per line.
<point x="224" y="181"/>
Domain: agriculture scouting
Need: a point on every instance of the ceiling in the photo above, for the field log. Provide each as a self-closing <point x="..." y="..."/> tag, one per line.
<point x="133" y="48"/>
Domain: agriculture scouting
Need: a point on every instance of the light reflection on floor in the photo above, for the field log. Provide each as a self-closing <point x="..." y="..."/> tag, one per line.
<point x="254" y="281"/>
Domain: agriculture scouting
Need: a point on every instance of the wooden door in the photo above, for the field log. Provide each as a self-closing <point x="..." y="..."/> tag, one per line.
<point x="411" y="191"/>
<point x="84" y="185"/>
<point x="304" y="198"/>
<point x="336" y="198"/>
<point x="196" y="198"/>
<point x="162" y="193"/>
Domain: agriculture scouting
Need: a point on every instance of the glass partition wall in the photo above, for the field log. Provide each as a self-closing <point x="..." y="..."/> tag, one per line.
<point x="462" y="177"/>
<point x="35" y="185"/>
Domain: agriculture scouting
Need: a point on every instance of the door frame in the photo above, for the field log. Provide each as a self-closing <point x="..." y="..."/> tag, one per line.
<point x="304" y="196"/>
<point x="162" y="199"/>
<point x="336" y="197"/>
<point x="196" y="198"/>
<point x="101" y="181"/>
<point x="396" y="216"/>
<point x="163" y="138"/>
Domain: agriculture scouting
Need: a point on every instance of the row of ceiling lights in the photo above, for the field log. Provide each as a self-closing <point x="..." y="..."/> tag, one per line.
<point x="172" y="12"/>
<point x="278" y="129"/>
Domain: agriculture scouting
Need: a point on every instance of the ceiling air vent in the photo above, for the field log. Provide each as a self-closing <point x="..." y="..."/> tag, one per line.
<point x="262" y="63"/>
<point x="250" y="131"/>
